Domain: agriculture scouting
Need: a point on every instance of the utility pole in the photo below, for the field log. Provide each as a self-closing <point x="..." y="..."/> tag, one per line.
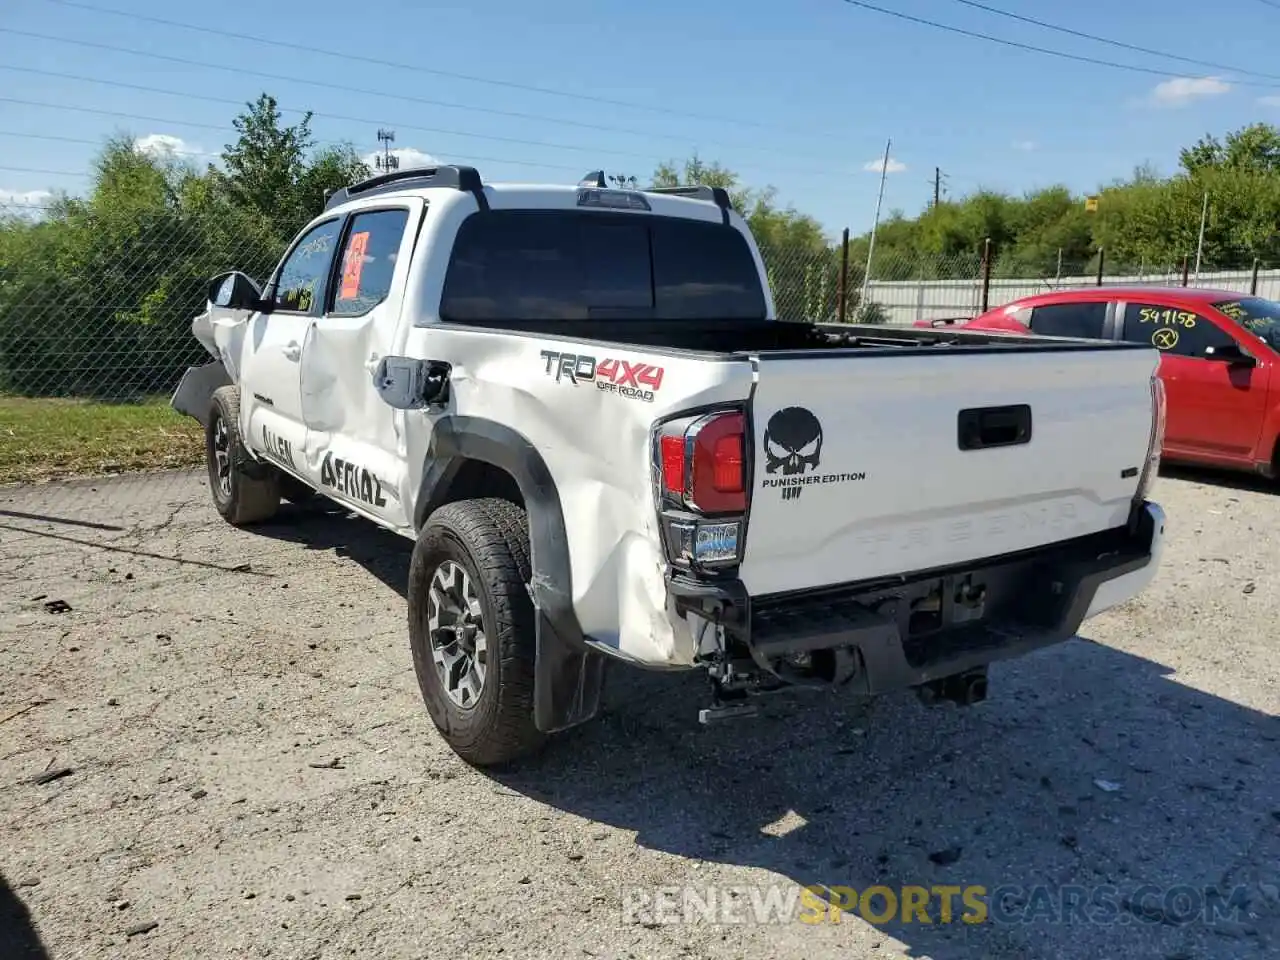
<point x="937" y="183"/>
<point x="1204" y="215"/>
<point x="387" y="162"/>
<point x="871" y="246"/>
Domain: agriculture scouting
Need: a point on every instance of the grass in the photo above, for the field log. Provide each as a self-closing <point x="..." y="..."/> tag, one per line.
<point x="51" y="439"/>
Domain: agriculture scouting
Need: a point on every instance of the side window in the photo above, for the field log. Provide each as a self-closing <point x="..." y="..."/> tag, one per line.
<point x="368" y="261"/>
<point x="300" y="285"/>
<point x="1172" y="330"/>
<point x="1021" y="315"/>
<point x="1070" y="320"/>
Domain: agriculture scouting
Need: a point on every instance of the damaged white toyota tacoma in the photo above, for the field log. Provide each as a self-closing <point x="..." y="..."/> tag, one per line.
<point x="579" y="404"/>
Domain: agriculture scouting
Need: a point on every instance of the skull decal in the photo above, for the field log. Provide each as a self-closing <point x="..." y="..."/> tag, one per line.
<point x="792" y="441"/>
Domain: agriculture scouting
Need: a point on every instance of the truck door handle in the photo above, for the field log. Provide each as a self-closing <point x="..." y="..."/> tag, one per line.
<point x="292" y="350"/>
<point x="981" y="427"/>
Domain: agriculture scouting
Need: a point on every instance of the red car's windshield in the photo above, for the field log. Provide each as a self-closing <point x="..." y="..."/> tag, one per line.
<point x="1259" y="316"/>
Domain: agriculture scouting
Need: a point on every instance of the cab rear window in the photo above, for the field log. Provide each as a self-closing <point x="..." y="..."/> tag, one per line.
<point x="511" y="266"/>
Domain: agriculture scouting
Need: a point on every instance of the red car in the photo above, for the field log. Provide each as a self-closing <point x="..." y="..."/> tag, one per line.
<point x="1220" y="360"/>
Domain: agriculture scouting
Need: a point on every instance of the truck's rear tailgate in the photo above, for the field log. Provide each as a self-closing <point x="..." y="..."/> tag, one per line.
<point x="859" y="470"/>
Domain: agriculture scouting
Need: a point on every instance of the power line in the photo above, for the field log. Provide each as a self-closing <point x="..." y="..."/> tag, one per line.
<point x="1270" y="3"/>
<point x="349" y="57"/>
<point x="519" y="141"/>
<point x="226" y="128"/>
<point x="205" y="153"/>
<point x="1032" y="48"/>
<point x="185" y="61"/>
<point x="60" y="139"/>
<point x="1114" y="43"/>
<point x="124" y="116"/>
<point x="239" y="71"/>
<point x="43" y="172"/>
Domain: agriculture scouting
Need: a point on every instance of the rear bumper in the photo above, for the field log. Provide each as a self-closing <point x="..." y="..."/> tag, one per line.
<point x="921" y="627"/>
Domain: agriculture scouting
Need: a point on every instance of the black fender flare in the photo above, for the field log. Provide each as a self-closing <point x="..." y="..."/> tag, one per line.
<point x="569" y="674"/>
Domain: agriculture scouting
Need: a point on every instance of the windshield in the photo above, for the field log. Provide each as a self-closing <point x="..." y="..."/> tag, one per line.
<point x="1260" y="317"/>
<point x="509" y="266"/>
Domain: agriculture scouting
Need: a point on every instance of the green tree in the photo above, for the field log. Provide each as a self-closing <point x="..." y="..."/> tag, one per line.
<point x="330" y="168"/>
<point x="1253" y="149"/>
<point x="265" y="164"/>
<point x="270" y="168"/>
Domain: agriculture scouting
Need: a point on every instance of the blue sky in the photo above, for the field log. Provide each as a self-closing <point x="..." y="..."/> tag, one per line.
<point x="800" y="94"/>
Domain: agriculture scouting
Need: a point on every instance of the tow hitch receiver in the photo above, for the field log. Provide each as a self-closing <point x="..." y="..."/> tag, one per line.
<point x="726" y="711"/>
<point x="730" y="696"/>
<point x="964" y="689"/>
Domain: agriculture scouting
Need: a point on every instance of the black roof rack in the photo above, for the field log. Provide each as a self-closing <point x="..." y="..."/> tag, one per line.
<point x="717" y="195"/>
<point x="453" y="176"/>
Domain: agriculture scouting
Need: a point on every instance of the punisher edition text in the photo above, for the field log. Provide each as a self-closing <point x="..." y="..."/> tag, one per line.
<point x="793" y="445"/>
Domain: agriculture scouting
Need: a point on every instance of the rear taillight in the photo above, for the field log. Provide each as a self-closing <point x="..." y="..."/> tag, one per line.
<point x="702" y="487"/>
<point x="673" y="465"/>
<point x="715" y="484"/>
<point x="1155" y="442"/>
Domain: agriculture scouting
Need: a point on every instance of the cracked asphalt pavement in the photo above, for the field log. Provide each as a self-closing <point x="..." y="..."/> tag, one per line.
<point x="212" y="745"/>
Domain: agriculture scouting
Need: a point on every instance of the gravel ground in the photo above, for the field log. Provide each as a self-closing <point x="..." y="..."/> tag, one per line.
<point x="253" y="774"/>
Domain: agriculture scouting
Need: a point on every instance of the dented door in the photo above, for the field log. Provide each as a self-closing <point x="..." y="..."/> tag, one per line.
<point x="353" y="437"/>
<point x="266" y="346"/>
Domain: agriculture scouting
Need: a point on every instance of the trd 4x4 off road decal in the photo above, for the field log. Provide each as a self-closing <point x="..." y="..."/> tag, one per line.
<point x="638" y="381"/>
<point x="793" y="445"/>
<point x="352" y="480"/>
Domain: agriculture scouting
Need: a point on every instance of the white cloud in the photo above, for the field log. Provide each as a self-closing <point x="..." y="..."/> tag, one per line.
<point x="30" y="205"/>
<point x="165" y="144"/>
<point x="1026" y="146"/>
<point x="1183" y="90"/>
<point x="1270" y="100"/>
<point x="878" y="164"/>
<point x="24" y="198"/>
<point x="409" y="158"/>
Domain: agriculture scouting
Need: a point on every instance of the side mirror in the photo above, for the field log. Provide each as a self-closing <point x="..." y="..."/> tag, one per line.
<point x="1231" y="354"/>
<point x="235" y="291"/>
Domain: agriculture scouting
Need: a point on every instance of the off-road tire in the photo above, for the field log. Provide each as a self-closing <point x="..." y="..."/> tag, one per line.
<point x="253" y="491"/>
<point x="489" y="539"/>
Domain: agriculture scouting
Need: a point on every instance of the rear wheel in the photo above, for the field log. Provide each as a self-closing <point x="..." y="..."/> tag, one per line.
<point x="471" y="629"/>
<point x="244" y="491"/>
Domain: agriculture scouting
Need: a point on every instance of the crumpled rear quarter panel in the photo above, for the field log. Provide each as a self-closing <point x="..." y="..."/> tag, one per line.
<point x="596" y="444"/>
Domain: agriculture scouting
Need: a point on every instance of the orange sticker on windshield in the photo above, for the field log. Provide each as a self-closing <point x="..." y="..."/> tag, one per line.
<point x="353" y="265"/>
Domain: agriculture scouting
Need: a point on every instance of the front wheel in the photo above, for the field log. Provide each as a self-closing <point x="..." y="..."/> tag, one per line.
<point x="471" y="629"/>
<point x="243" y="492"/>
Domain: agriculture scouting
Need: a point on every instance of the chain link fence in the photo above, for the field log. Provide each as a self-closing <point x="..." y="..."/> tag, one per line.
<point x="96" y="308"/>
<point x="95" y="333"/>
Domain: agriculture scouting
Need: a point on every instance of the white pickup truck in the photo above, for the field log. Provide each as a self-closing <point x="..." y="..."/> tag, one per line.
<point x="580" y="405"/>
